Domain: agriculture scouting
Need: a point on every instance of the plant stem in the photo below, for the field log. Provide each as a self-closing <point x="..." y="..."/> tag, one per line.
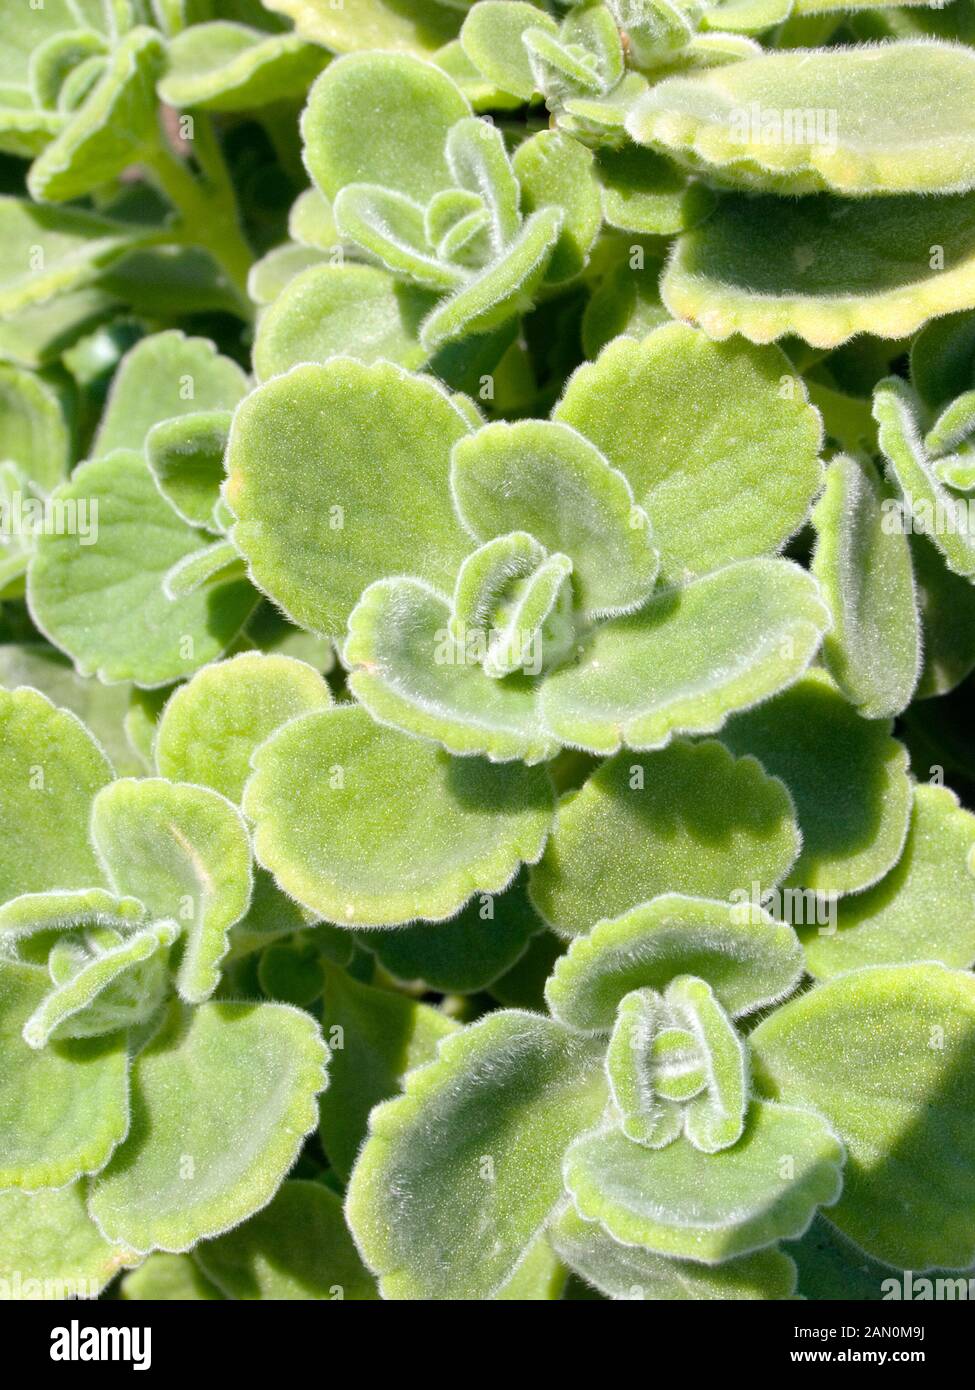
<point x="207" y="208"/>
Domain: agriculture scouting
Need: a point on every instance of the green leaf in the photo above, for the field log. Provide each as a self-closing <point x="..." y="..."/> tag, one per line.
<point x="298" y="1247"/>
<point x="624" y="301"/>
<point x="737" y="483"/>
<point x="119" y="985"/>
<point x="224" y="1094"/>
<point x="101" y="708"/>
<point x="886" y="1055"/>
<point x="50" y="771"/>
<point x="381" y="118"/>
<point x="270" y="275"/>
<point x="97" y="591"/>
<point x="49" y="251"/>
<point x="63" y="1109"/>
<point x="414" y="26"/>
<point x="168" y="1278"/>
<point x="224" y="66"/>
<point x="211" y="726"/>
<point x="848" y="777"/>
<point x="709" y="1207"/>
<point x="947" y="606"/>
<point x="864" y="567"/>
<point x="749" y="959"/>
<point x="341" y="310"/>
<point x="645" y="193"/>
<point x="33" y="429"/>
<point x="411" y="832"/>
<point x="688" y="659"/>
<point x="375" y="1038"/>
<point x="503" y="289"/>
<point x="855" y="266"/>
<point x="311" y="222"/>
<point x="934" y="509"/>
<point x="114" y="127"/>
<point x="922" y="910"/>
<point x="391" y="227"/>
<point x="479" y="163"/>
<point x="557" y="171"/>
<point x="67" y="908"/>
<point x="37" y="334"/>
<point x="51" y="1249"/>
<point x="688" y="819"/>
<point x="438" y="1201"/>
<point x="543" y="477"/>
<point x="492" y="36"/>
<point x="185" y="852"/>
<point x="163" y="376"/>
<point x="466" y="954"/>
<point x="409" y="671"/>
<point x="891" y="118"/>
<point x="628" y="1272"/>
<point x="185" y="458"/>
<point x="319" y="512"/>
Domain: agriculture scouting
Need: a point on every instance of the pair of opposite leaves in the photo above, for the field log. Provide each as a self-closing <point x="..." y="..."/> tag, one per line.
<point x="525" y="1123"/>
<point x="91" y="926"/>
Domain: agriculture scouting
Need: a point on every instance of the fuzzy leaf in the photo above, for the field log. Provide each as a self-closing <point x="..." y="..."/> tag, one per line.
<point x="688" y="658"/>
<point x="211" y="726"/>
<point x="935" y="510"/>
<point x="62" y="1109"/>
<point x="298" y="1247"/>
<point x="492" y="36"/>
<point x="185" y="458"/>
<point x="270" y="275"/>
<point x="319" y="512"/>
<point x="503" y="289"/>
<point x="184" y="851"/>
<point x="627" y="1272"/>
<point x="923" y="910"/>
<point x="66" y="909"/>
<point x="947" y="605"/>
<point x="886" y="1055"/>
<point x="375" y="1037"/>
<point x="113" y="128"/>
<point x="381" y="118"/>
<point x="891" y="118"/>
<point x="334" y="310"/>
<point x="854" y="266"/>
<point x="103" y="603"/>
<point x="168" y="1279"/>
<point x="688" y="819"/>
<point x="51" y="1249"/>
<point x="165" y="375"/>
<point x="548" y="480"/>
<point x="410" y="672"/>
<point x="33" y="428"/>
<point x="466" y="954"/>
<point x="391" y="228"/>
<point x="411" y="832"/>
<point x="644" y="192"/>
<point x="48" y="251"/>
<point x="557" y="171"/>
<point x="232" y="1088"/>
<point x="741" y="480"/>
<point x="479" y="163"/>
<point x="225" y="66"/>
<point x="748" y="959"/>
<point x="848" y="777"/>
<point x="50" y="770"/>
<point x="864" y="567"/>
<point x="438" y="1201"/>
<point x="413" y="26"/>
<point x="709" y="1207"/>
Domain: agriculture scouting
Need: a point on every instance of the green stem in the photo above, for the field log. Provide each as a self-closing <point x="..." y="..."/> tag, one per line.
<point x="207" y="208"/>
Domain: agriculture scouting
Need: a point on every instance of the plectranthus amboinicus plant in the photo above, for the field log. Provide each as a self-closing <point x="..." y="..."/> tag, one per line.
<point x="487" y="628"/>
